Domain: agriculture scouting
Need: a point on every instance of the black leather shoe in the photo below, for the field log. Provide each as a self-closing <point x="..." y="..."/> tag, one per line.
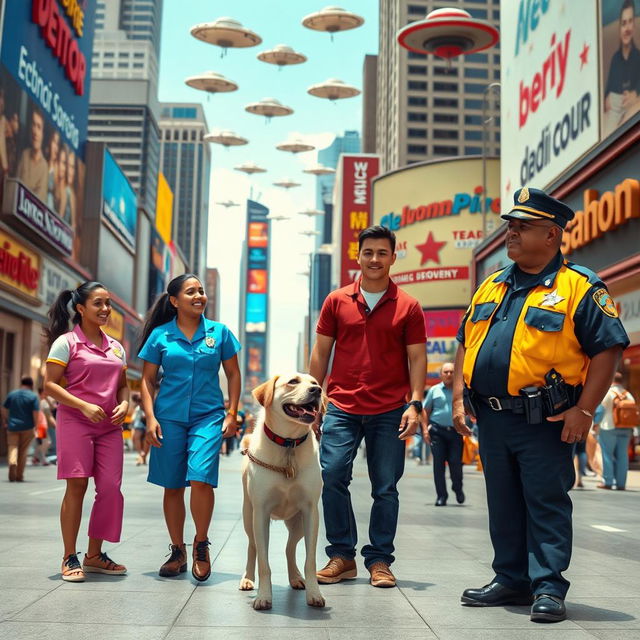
<point x="441" y="502"/>
<point x="495" y="595"/>
<point x="547" y="608"/>
<point x="460" y="497"/>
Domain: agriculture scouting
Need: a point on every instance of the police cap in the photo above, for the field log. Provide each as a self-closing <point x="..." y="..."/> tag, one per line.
<point x="535" y="204"/>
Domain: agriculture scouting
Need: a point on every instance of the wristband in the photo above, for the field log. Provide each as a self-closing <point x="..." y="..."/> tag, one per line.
<point x="586" y="413"/>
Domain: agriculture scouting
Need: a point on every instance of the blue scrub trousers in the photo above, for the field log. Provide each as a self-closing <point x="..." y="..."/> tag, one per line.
<point x="189" y="451"/>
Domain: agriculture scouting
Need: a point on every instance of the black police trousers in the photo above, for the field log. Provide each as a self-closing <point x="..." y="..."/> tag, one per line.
<point x="528" y="473"/>
<point x="446" y="446"/>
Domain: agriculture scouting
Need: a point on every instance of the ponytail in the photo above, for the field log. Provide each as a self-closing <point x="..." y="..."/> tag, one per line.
<point x="163" y="311"/>
<point x="59" y="315"/>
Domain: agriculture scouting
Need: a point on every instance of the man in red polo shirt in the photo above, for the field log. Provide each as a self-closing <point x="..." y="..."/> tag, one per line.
<point x="378" y="333"/>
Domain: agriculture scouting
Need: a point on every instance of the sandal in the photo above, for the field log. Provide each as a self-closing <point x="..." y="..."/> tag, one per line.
<point x="102" y="563"/>
<point x="71" y="569"/>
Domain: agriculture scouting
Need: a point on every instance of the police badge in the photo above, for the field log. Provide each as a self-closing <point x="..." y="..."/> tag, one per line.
<point x="524" y="195"/>
<point x="210" y="341"/>
<point x="117" y="352"/>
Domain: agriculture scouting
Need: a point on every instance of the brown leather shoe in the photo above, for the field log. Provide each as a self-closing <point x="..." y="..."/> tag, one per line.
<point x="381" y="575"/>
<point x="336" y="570"/>
<point x="201" y="567"/>
<point x="177" y="563"/>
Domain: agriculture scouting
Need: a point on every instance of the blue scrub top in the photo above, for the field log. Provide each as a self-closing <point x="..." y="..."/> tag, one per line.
<point x="190" y="387"/>
<point x="439" y="404"/>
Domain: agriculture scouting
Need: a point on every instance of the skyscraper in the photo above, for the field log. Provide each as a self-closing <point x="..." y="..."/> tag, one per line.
<point x="186" y="163"/>
<point x="426" y="109"/>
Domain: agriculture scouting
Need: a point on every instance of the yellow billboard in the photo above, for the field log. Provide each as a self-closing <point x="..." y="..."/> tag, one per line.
<point x="164" y="209"/>
<point x="435" y="210"/>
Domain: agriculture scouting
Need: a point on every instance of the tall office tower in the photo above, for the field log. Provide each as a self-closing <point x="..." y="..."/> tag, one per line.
<point x="124" y="87"/>
<point x="426" y="109"/>
<point x="369" y="103"/>
<point x="186" y="163"/>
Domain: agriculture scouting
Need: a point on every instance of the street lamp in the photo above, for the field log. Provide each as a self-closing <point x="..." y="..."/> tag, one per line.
<point x="491" y="92"/>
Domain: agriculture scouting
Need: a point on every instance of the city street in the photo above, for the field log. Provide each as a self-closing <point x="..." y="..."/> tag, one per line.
<point x="440" y="551"/>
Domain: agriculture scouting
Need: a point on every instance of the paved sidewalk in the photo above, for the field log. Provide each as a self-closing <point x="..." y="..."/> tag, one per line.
<point x="440" y="551"/>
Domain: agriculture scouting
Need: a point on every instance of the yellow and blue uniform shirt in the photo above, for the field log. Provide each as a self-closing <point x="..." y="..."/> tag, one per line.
<point x="521" y="325"/>
<point x="190" y="385"/>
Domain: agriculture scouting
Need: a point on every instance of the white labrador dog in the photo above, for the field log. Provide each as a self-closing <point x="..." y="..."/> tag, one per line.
<point x="282" y="481"/>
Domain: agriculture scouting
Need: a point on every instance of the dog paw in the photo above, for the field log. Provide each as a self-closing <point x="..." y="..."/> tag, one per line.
<point x="262" y="604"/>
<point x="246" y="585"/>
<point x="297" y="582"/>
<point x="315" y="600"/>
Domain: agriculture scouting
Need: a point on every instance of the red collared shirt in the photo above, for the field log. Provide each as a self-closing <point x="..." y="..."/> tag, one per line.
<point x="370" y="371"/>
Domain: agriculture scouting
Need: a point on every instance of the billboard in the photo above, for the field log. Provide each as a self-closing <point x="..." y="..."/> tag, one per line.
<point x="119" y="200"/>
<point x="45" y="64"/>
<point x="164" y="209"/>
<point x="550" y="90"/>
<point x="256" y="301"/>
<point x="442" y="327"/>
<point x="353" y="210"/>
<point x="435" y="210"/>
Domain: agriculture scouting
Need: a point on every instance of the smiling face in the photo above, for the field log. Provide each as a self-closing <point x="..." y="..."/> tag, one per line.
<point x="295" y="397"/>
<point x="375" y="258"/>
<point x="97" y="307"/>
<point x="192" y="300"/>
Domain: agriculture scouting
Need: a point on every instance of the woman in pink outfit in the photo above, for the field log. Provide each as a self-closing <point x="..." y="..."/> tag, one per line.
<point x="92" y="406"/>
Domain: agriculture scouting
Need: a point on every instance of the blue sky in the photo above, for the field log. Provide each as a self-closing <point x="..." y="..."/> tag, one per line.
<point x="277" y="22"/>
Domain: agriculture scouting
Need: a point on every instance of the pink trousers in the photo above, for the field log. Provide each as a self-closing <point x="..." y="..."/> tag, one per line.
<point x="88" y="450"/>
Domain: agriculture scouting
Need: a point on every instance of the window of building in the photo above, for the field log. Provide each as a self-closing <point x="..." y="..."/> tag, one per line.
<point x="470" y="87"/>
<point x="443" y="150"/>
<point x="496" y="14"/>
<point x="445" y="134"/>
<point x="108" y="54"/>
<point x="446" y="117"/>
<point x="445" y="102"/>
<point x="414" y="116"/>
<point x="108" y="65"/>
<point x="416" y="101"/>
<point x="123" y="65"/>
<point x="138" y="65"/>
<point x="416" y="85"/>
<point x="416" y="133"/>
<point x="138" y="54"/>
<point x="473" y="72"/>
<point x="496" y="74"/>
<point x="472" y="134"/>
<point x="417" y="69"/>
<point x="443" y="71"/>
<point x="477" y="57"/>
<point x="417" y="8"/>
<point x="123" y="54"/>
<point x="417" y="56"/>
<point x="470" y="103"/>
<point x="417" y="148"/>
<point x="480" y="14"/>
<point x="473" y="119"/>
<point x="473" y="151"/>
<point x="445" y="86"/>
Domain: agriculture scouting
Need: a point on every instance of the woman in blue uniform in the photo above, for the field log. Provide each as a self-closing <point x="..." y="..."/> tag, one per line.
<point x="187" y="421"/>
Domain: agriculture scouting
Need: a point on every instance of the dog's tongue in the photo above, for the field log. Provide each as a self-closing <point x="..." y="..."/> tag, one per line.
<point x="302" y="410"/>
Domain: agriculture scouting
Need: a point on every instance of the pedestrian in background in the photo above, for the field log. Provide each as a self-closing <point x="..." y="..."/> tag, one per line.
<point x="539" y="345"/>
<point x="187" y="421"/>
<point x="379" y="337"/>
<point x="446" y="442"/>
<point x="20" y="417"/>
<point x="91" y="408"/>
<point x="139" y="426"/>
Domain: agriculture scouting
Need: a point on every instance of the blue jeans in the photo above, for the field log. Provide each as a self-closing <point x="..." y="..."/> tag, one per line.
<point x="615" y="458"/>
<point x="342" y="434"/>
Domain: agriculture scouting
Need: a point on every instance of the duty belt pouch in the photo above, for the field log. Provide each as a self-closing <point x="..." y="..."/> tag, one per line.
<point x="533" y="407"/>
<point x="555" y="394"/>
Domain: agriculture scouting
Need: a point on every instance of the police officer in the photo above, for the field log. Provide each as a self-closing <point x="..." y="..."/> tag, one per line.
<point x="539" y="346"/>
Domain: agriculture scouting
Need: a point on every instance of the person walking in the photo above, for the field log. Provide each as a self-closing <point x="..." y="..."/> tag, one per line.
<point x="539" y="345"/>
<point x="91" y="407"/>
<point x="614" y="439"/>
<point x="139" y="425"/>
<point x="187" y="420"/>
<point x="378" y="334"/>
<point x="20" y="417"/>
<point x="446" y="442"/>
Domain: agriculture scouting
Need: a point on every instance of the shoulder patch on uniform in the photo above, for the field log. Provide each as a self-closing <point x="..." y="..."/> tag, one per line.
<point x="117" y="351"/>
<point x="591" y="276"/>
<point x="604" y="300"/>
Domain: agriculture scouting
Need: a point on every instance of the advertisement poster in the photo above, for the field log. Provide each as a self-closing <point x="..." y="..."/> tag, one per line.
<point x="45" y="65"/>
<point x="619" y="62"/>
<point x="435" y="211"/>
<point x="550" y="89"/>
<point x="119" y="200"/>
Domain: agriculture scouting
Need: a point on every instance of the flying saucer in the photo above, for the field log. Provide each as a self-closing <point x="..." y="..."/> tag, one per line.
<point x="311" y="212"/>
<point x="309" y="232"/>
<point x="286" y="183"/>
<point x="250" y="168"/>
<point x="277" y="217"/>
<point x="226" y="33"/>
<point x="319" y="170"/>
<point x="333" y="89"/>
<point x="448" y="33"/>
<point x="282" y="55"/>
<point x="226" y="138"/>
<point x="295" y="145"/>
<point x="269" y="107"/>
<point x="332" y="20"/>
<point x="211" y="82"/>
<point x="228" y="203"/>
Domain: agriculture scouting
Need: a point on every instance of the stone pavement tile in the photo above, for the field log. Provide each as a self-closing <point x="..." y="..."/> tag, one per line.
<point x="446" y="612"/>
<point x="614" y="634"/>
<point x="606" y="613"/>
<point x="135" y="581"/>
<point x="382" y="634"/>
<point x="247" y="633"/>
<point x="12" y="602"/>
<point x="31" y="579"/>
<point x="361" y="612"/>
<point x="537" y="632"/>
<point x="441" y="584"/>
<point x="599" y="586"/>
<point x="83" y="605"/>
<point x="49" y="631"/>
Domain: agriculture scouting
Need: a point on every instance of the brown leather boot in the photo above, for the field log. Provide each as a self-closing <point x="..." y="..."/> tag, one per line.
<point x="177" y="563"/>
<point x="201" y="567"/>
<point x="336" y="570"/>
<point x="381" y="575"/>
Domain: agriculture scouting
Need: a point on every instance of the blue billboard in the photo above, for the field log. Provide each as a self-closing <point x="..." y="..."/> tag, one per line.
<point x="119" y="201"/>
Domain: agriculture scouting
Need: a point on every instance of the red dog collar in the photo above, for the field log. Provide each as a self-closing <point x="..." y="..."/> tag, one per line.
<point x="283" y="442"/>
